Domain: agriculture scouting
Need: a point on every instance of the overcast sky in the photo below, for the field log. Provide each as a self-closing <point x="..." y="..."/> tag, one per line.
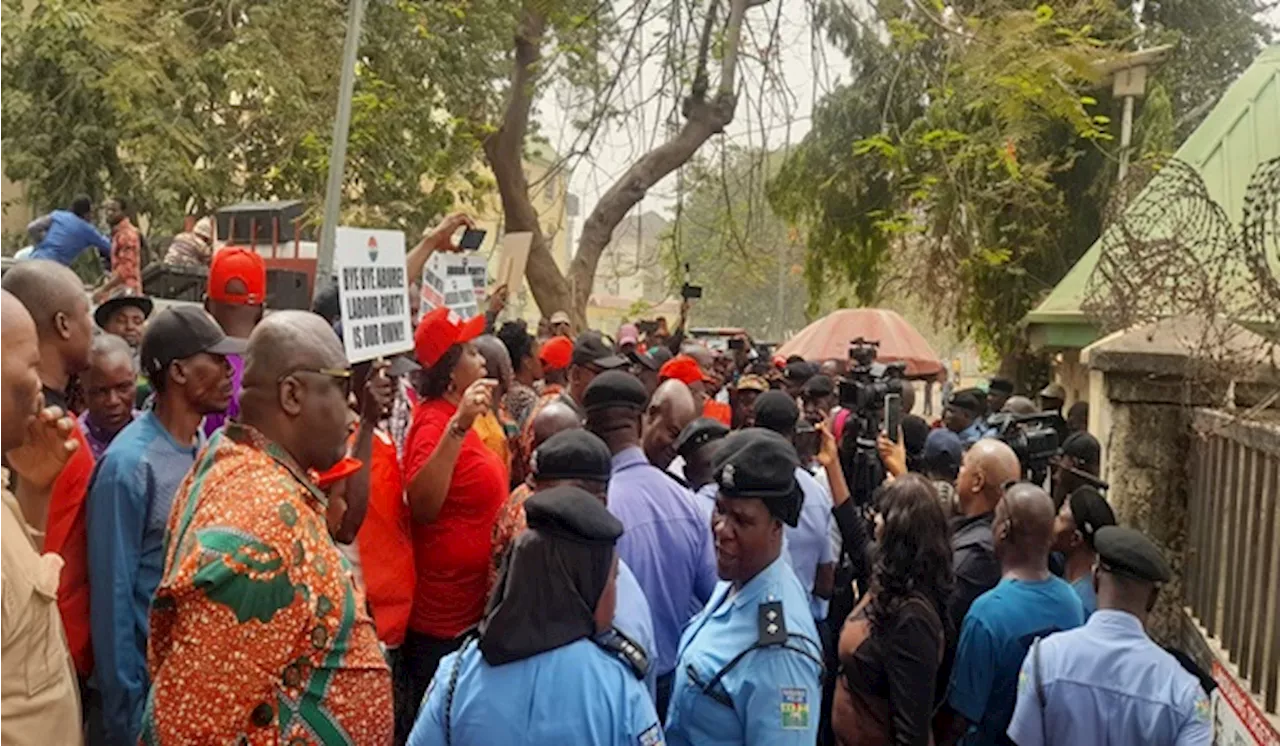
<point x="806" y="68"/>
<point x="769" y="114"/>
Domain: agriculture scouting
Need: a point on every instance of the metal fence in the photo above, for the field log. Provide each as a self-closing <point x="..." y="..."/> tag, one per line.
<point x="1232" y="573"/>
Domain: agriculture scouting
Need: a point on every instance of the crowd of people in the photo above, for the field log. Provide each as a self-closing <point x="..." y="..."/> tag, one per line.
<point x="219" y="530"/>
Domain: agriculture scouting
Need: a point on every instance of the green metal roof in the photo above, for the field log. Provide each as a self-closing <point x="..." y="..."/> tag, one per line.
<point x="1242" y="131"/>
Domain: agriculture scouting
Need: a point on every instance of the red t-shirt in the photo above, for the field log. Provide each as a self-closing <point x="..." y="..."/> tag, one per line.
<point x="67" y="536"/>
<point x="718" y="411"/>
<point x="451" y="553"/>
<point x="386" y="545"/>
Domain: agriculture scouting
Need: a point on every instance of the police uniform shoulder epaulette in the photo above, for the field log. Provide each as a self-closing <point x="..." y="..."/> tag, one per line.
<point x="625" y="649"/>
<point x="772" y="623"/>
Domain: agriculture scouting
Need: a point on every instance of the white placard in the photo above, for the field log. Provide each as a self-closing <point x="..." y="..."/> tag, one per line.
<point x="373" y="287"/>
<point x="457" y="281"/>
<point x="513" y="260"/>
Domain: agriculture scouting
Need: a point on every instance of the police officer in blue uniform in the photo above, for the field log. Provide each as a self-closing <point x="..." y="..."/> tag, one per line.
<point x="1107" y="682"/>
<point x="749" y="670"/>
<point x="546" y="667"/>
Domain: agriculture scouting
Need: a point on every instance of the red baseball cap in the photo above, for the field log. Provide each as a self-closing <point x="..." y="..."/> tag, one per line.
<point x="684" y="369"/>
<point x="238" y="263"/>
<point x="440" y="329"/>
<point x="556" y="353"/>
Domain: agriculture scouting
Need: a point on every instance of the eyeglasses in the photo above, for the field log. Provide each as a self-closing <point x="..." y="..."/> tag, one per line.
<point x="342" y="376"/>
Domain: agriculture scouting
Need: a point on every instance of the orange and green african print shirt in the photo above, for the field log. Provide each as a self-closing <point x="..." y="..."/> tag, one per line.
<point x="258" y="633"/>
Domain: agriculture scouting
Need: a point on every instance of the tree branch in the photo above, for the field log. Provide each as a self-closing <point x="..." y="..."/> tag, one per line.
<point x="702" y="120"/>
<point x="504" y="150"/>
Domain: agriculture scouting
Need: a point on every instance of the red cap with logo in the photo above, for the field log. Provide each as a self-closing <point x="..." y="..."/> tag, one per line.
<point x="684" y="369"/>
<point x="556" y="353"/>
<point x="238" y="263"/>
<point x="440" y="329"/>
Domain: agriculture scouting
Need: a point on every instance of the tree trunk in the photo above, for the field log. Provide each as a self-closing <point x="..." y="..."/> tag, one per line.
<point x="552" y="290"/>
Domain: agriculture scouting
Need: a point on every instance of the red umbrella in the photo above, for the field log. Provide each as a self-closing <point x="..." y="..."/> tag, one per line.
<point x="829" y="337"/>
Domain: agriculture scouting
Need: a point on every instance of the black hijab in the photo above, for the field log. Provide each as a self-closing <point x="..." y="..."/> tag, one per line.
<point x="553" y="577"/>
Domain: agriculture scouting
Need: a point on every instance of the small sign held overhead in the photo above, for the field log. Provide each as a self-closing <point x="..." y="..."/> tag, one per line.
<point x="373" y="286"/>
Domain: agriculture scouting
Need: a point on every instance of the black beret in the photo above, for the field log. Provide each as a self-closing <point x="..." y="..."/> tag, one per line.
<point x="698" y="433"/>
<point x="762" y="464"/>
<point x="1000" y="385"/>
<point x="573" y="454"/>
<point x="615" y="388"/>
<point x="1090" y="511"/>
<point x="819" y="385"/>
<point x="1083" y="447"/>
<point x="776" y="411"/>
<point x="572" y="513"/>
<point x="1124" y="551"/>
<point x="965" y="400"/>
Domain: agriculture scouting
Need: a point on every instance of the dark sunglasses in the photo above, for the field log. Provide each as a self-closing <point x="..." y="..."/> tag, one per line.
<point x="341" y="376"/>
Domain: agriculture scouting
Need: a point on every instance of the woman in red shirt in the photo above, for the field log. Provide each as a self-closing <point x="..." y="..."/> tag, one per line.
<point x="454" y="486"/>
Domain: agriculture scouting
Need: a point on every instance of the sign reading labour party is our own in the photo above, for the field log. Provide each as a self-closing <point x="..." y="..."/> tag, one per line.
<point x="457" y="281"/>
<point x="374" y="292"/>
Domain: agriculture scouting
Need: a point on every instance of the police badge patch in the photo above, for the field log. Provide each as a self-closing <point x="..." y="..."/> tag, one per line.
<point x="795" y="708"/>
<point x="652" y="736"/>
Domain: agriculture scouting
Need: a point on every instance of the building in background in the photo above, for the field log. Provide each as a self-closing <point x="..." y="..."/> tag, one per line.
<point x="631" y="279"/>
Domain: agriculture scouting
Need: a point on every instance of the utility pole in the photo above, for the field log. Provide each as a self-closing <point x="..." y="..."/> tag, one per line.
<point x="338" y="152"/>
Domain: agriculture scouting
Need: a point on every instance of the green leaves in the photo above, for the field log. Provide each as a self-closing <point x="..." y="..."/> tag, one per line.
<point x="952" y="169"/>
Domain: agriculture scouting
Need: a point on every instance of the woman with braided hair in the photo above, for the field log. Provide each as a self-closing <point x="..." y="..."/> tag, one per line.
<point x="546" y="667"/>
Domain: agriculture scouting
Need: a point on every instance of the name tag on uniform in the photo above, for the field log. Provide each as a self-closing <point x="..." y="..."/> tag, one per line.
<point x="652" y="736"/>
<point x="795" y="708"/>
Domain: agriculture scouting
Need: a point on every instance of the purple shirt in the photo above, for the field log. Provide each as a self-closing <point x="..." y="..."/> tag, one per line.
<point x="97" y="438"/>
<point x="214" y="421"/>
<point x="667" y="545"/>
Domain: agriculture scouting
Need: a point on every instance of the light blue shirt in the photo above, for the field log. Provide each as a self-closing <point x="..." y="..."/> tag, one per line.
<point x="1088" y="598"/>
<point x="666" y="544"/>
<point x="575" y="694"/>
<point x="776" y="692"/>
<point x="997" y="631"/>
<point x="1108" y="683"/>
<point x="127" y="511"/>
<point x="67" y="235"/>
<point x="971" y="434"/>
<point x="808" y="542"/>
<point x="633" y="618"/>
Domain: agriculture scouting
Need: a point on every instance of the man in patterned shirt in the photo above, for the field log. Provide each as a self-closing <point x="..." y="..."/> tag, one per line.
<point x="258" y="632"/>
<point x="126" y="252"/>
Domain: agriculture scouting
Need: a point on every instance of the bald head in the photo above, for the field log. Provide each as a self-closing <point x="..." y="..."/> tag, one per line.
<point x="55" y="298"/>
<point x="1024" y="525"/>
<point x="497" y="361"/>
<point x="1019" y="405"/>
<point x="46" y="289"/>
<point x="988" y="466"/>
<point x="670" y="409"/>
<point x="19" y="370"/>
<point x="296" y="384"/>
<point x="553" y="418"/>
<point x="287" y="341"/>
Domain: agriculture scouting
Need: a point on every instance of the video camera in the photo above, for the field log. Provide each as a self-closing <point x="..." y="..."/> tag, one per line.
<point x="862" y="392"/>
<point x="863" y="388"/>
<point x="1032" y="438"/>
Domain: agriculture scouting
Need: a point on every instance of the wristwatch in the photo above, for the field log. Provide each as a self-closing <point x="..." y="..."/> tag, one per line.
<point x="456" y="429"/>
